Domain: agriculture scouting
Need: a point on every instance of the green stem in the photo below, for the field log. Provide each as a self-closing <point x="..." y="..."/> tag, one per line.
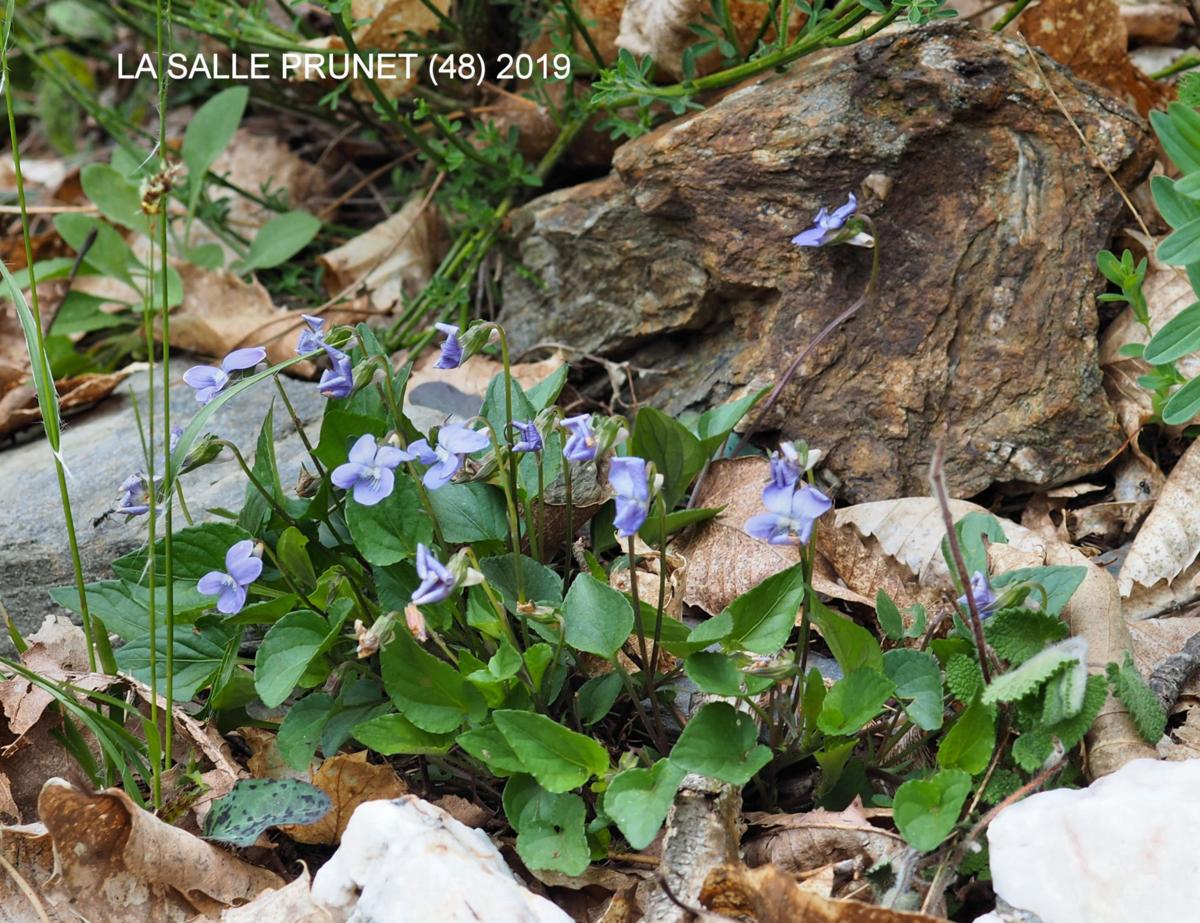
<point x="662" y="585"/>
<point x="1010" y="14"/>
<point x="570" y="511"/>
<point x="511" y="464"/>
<point x="648" y="666"/>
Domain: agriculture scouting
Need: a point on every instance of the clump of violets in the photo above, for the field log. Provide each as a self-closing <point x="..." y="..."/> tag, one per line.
<point x="312" y="337"/>
<point x="982" y="593"/>
<point x="337" y="382"/>
<point x="369" y="472"/>
<point x="581" y="444"/>
<point x="452" y="351"/>
<point x="529" y="439"/>
<point x="830" y="227"/>
<point x="242" y="567"/>
<point x="628" y="476"/>
<point x="210" y="380"/>
<point x="792" y="504"/>
<point x="454" y="443"/>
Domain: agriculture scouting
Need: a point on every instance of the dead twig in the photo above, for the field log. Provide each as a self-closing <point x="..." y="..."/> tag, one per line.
<point x="1170" y="675"/>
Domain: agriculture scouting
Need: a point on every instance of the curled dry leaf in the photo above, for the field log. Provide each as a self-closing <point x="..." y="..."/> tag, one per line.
<point x="465" y="812"/>
<point x="261" y="161"/>
<point x="1154" y="23"/>
<point x="266" y="762"/>
<point x="770" y="895"/>
<point x="1169" y="540"/>
<point x="803" y="842"/>
<point x="116" y="862"/>
<point x="723" y="561"/>
<point x="349" y="780"/>
<point x="391" y="260"/>
<point x="293" y="903"/>
<point x="19" y="407"/>
<point x="1089" y="37"/>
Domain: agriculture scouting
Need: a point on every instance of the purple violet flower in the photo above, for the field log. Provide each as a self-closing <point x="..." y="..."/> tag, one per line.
<point x="134" y="500"/>
<point x="785" y="465"/>
<point x="242" y="568"/>
<point x="981" y="592"/>
<point x="437" y="583"/>
<point x="581" y="444"/>
<point x="337" y="382"/>
<point x="452" y="354"/>
<point x="454" y="443"/>
<point x="826" y="224"/>
<point x="369" y="471"/>
<point x="208" y="380"/>
<point x="791" y="512"/>
<point x="627" y="477"/>
<point x="531" y="439"/>
<point x="313" y="338"/>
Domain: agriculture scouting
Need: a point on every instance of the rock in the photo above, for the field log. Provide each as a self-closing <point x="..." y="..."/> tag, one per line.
<point x="985" y="321"/>
<point x="407" y="859"/>
<point x="1121" y="849"/>
<point x="102" y="448"/>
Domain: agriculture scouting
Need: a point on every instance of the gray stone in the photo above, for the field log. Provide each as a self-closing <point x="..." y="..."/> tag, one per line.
<point x="989" y="211"/>
<point x="101" y="448"/>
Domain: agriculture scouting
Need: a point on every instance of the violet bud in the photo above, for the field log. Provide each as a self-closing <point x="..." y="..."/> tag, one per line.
<point x="337" y="382"/>
<point x="437" y="583"/>
<point x="313" y="337"/>
<point x="452" y="353"/>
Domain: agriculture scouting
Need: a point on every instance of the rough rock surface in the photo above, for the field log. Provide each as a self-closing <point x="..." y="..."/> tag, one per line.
<point x="101" y="448"/>
<point x="985" y="321"/>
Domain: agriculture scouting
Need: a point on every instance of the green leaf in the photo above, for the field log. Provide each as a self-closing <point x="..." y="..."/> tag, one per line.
<point x="117" y="198"/>
<point x="1177" y="338"/>
<point x="292" y="551"/>
<point x="197" y="550"/>
<point x="208" y="133"/>
<point x="300" y="730"/>
<point x="676" y="453"/>
<point x="1018" y="634"/>
<point x="638" y="800"/>
<point x="257" y="510"/>
<point x="1176" y="140"/>
<point x="927" y="810"/>
<point x="471" y="512"/>
<point x="651" y="531"/>
<point x="853" y="701"/>
<point x="279" y="240"/>
<point x="197" y="656"/>
<point x="1033" y="674"/>
<point x="1144" y="706"/>
<point x="546" y="391"/>
<point x="714" y="673"/>
<point x="715" y="424"/>
<point x="390" y="530"/>
<point x="852" y="645"/>
<point x="559" y="758"/>
<point x="256" y="804"/>
<point x="889" y="616"/>
<point x="108" y="254"/>
<point x="597" y="618"/>
<point x="964" y="679"/>
<point x="1175" y="209"/>
<point x="1181" y="246"/>
<point x="394" y="734"/>
<point x="918" y="685"/>
<point x="427" y="691"/>
<point x="488" y="745"/>
<point x="969" y="743"/>
<point x="763" y="617"/>
<point x="722" y="743"/>
<point x="285" y="654"/>
<point x="1183" y="405"/>
<point x="1059" y="583"/>
<point x="542" y="585"/>
<point x="596" y="697"/>
<point x="972" y="531"/>
<point x="339" y="430"/>
<point x="550" y="827"/>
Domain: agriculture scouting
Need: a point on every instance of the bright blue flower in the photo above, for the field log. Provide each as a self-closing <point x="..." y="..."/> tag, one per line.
<point x="581" y="444"/>
<point x="826" y="225"/>
<point x="242" y="568"/>
<point x="531" y="439"/>
<point x="337" y="382"/>
<point x="452" y="354"/>
<point x="791" y="512"/>
<point x="981" y="592"/>
<point x="627" y="477"/>
<point x="208" y="380"/>
<point x="312" y="338"/>
<point x="454" y="443"/>
<point x="369" y="471"/>
<point x="437" y="583"/>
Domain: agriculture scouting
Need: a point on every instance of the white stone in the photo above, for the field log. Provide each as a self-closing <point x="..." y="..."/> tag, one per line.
<point x="405" y="861"/>
<point x="1120" y="851"/>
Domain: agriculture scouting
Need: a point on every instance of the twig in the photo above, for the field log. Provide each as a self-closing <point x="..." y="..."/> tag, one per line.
<point x="937" y="480"/>
<point x="1169" y="676"/>
<point x="26" y="889"/>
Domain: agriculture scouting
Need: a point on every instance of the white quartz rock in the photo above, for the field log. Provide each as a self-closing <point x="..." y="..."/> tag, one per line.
<point x="1122" y="850"/>
<point x="407" y="861"/>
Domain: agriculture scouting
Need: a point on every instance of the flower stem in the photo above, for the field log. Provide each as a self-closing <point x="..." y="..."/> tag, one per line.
<point x="566" y="470"/>
<point x="648" y="666"/>
<point x="511" y="464"/>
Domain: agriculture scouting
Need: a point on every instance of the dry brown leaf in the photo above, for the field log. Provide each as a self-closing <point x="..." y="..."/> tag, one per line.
<point x="770" y="895"/>
<point x="801" y="842"/>
<point x="293" y="903"/>
<point x="30" y="852"/>
<point x="1169" y="539"/>
<point x="8" y="805"/>
<point x="391" y="260"/>
<point x="117" y="862"/>
<point x="349" y="780"/>
<point x="435" y="396"/>
<point x="465" y="812"/>
<point x="266" y="762"/>
<point x="1163" y="599"/>
<point x="19" y="407"/>
<point x="1154" y="23"/>
<point x="1089" y="37"/>
<point x="649" y="572"/>
<point x="261" y="161"/>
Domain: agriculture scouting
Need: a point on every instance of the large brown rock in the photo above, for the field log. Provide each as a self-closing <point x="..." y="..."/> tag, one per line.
<point x="985" y="322"/>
